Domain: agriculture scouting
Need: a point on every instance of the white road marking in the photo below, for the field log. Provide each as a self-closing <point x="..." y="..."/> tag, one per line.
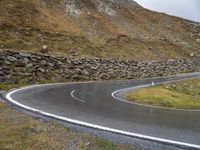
<point x="145" y="105"/>
<point x="131" y="134"/>
<point x="76" y="98"/>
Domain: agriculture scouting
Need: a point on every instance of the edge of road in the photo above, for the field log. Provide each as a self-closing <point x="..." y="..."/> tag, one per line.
<point x="118" y="95"/>
<point x="183" y="145"/>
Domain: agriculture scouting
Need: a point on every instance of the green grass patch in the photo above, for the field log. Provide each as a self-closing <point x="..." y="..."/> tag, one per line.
<point x="107" y="145"/>
<point x="2" y="86"/>
<point x="182" y="94"/>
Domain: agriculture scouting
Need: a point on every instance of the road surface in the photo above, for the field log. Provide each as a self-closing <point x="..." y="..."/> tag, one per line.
<point x="98" y="105"/>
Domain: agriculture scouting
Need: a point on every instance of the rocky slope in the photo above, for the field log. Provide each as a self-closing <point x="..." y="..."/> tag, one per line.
<point x="101" y="28"/>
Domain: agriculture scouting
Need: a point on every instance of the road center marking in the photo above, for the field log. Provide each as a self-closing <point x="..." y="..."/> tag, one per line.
<point x="178" y="144"/>
<point x="76" y="98"/>
<point x="112" y="130"/>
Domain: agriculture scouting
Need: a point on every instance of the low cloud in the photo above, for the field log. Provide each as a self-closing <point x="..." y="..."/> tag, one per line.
<point x="189" y="9"/>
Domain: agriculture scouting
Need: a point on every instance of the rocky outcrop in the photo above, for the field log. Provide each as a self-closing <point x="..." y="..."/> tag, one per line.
<point x="31" y="68"/>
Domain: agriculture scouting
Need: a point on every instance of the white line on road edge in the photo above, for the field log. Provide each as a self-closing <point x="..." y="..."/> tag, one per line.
<point x="76" y="98"/>
<point x="81" y="123"/>
<point x="145" y="105"/>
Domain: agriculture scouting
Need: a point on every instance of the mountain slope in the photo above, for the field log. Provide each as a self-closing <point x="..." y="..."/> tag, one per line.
<point x="101" y="28"/>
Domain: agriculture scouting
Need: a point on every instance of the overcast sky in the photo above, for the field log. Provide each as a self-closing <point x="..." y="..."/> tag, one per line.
<point x="189" y="9"/>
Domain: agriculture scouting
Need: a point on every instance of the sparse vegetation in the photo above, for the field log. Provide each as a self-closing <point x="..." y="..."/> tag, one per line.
<point x="2" y="86"/>
<point x="18" y="131"/>
<point x="28" y="25"/>
<point x="181" y="94"/>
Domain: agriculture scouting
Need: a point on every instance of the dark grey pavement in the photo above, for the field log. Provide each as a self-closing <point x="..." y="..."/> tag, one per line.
<point x="93" y="103"/>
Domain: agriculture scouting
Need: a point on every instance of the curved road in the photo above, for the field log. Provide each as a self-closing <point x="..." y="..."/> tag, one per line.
<point x="98" y="105"/>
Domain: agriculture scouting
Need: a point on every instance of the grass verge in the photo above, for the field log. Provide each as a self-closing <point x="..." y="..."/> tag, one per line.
<point x="19" y="131"/>
<point x="181" y="94"/>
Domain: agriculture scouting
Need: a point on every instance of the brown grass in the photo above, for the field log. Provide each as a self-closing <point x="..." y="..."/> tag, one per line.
<point x="27" y="25"/>
<point x="18" y="131"/>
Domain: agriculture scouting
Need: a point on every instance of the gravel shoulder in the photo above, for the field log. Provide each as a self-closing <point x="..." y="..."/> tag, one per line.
<point x="19" y="131"/>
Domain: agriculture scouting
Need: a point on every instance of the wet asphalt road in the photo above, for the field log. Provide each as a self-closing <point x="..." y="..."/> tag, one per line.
<point x="93" y="103"/>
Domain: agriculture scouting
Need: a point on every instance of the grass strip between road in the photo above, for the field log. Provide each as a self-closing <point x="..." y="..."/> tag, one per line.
<point x="180" y="94"/>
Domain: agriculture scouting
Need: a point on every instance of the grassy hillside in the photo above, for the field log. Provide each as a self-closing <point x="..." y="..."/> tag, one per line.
<point x="95" y="28"/>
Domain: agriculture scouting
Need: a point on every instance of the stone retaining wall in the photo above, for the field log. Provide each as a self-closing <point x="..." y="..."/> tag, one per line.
<point x="31" y="68"/>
